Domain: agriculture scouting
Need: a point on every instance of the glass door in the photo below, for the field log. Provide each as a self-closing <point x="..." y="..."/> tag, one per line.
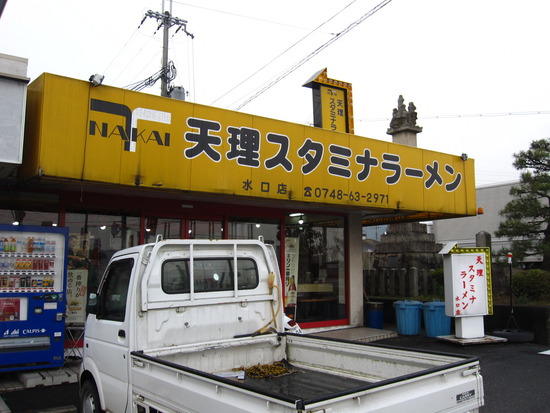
<point x="315" y="270"/>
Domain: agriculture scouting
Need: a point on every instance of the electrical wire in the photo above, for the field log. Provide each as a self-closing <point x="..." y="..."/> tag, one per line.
<point x="142" y="84"/>
<point x="469" y="115"/>
<point x="167" y="74"/>
<point x="174" y="52"/>
<point x="240" y="15"/>
<point x="191" y="66"/>
<point x="315" y="52"/>
<point x="281" y="54"/>
<point x="120" y="51"/>
<point x="124" y="70"/>
<point x="145" y="66"/>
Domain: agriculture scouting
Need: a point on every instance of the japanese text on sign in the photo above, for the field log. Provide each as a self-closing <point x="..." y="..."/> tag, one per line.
<point x="333" y="107"/>
<point x="245" y="149"/>
<point x="470" y="295"/>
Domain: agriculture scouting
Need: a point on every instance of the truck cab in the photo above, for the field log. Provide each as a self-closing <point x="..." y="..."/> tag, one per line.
<point x="171" y="293"/>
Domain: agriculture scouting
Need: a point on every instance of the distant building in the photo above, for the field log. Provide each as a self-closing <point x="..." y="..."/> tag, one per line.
<point x="463" y="230"/>
<point x="492" y="199"/>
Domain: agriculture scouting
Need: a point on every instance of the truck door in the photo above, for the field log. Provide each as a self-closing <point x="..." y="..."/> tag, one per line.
<point x="108" y="344"/>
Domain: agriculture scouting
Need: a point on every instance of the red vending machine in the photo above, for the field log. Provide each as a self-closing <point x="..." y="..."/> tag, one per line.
<point x="33" y="266"/>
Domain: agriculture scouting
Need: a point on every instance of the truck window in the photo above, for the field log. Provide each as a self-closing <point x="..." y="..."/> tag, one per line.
<point x="114" y="292"/>
<point x="210" y="274"/>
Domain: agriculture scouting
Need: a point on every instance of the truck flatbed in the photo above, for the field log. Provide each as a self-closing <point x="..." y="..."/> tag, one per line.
<point x="305" y="386"/>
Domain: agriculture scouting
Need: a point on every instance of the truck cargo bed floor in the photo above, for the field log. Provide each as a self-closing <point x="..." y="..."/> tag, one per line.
<point x="305" y="384"/>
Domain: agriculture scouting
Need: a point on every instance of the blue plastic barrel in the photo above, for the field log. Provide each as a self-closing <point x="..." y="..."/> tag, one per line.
<point x="374" y="314"/>
<point x="435" y="320"/>
<point x="408" y="315"/>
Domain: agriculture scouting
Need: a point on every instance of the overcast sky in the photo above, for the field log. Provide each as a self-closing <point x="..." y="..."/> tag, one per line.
<point x="477" y="70"/>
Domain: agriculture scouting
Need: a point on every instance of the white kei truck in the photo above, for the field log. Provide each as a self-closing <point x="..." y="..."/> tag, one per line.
<point x="197" y="326"/>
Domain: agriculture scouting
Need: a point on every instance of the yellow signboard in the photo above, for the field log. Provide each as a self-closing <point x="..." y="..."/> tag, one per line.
<point x="333" y="105"/>
<point x="116" y="136"/>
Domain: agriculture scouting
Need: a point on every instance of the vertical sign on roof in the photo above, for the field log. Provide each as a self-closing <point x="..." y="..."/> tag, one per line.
<point x="332" y="103"/>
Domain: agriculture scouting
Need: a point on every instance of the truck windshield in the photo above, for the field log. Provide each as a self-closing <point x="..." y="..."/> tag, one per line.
<point x="209" y="274"/>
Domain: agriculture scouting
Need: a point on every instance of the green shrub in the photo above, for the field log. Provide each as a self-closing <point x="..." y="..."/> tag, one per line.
<point x="531" y="286"/>
<point x="437" y="279"/>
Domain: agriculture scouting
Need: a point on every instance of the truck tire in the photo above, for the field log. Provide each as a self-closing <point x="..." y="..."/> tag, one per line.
<point x="89" y="398"/>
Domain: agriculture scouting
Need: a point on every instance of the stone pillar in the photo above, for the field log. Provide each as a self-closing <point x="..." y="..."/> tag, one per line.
<point x="483" y="239"/>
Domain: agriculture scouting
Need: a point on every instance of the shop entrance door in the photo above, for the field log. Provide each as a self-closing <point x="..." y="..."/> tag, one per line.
<point x="315" y="270"/>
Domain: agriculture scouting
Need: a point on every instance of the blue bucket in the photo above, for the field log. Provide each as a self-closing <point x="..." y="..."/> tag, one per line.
<point x="374" y="314"/>
<point x="408" y="315"/>
<point x="435" y="320"/>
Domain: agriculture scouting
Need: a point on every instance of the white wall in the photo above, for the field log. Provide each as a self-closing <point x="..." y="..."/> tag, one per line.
<point x="463" y="230"/>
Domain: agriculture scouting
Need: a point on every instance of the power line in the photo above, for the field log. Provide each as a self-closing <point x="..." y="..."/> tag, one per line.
<point x="131" y="61"/>
<point x="281" y="54"/>
<point x="315" y="52"/>
<point x="144" y="67"/>
<point x="120" y="51"/>
<point x="149" y="38"/>
<point x="191" y="70"/>
<point x="242" y="16"/>
<point x="168" y="73"/>
<point x="469" y="115"/>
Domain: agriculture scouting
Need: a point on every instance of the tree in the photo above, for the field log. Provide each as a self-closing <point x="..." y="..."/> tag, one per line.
<point x="527" y="215"/>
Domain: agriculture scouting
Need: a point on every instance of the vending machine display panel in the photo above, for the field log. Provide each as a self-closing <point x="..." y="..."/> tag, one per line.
<point x="33" y="267"/>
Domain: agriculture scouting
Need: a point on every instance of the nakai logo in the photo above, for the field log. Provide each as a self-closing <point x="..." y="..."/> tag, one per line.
<point x="129" y="131"/>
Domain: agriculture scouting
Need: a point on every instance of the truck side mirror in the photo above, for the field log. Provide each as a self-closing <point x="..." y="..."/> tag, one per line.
<point x="91" y="307"/>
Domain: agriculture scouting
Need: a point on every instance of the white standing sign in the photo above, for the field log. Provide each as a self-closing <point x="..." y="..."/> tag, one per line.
<point x="468" y="295"/>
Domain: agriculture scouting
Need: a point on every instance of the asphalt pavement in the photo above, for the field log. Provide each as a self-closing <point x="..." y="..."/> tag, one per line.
<point x="516" y="378"/>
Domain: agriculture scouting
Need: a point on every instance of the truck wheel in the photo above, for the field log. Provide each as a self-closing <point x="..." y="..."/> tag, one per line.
<point x="89" y="398"/>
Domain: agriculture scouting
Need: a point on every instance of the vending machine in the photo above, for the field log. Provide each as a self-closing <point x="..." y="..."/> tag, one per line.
<point x="33" y="266"/>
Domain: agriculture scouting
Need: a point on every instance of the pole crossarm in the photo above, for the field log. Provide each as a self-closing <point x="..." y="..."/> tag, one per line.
<point x="166" y="19"/>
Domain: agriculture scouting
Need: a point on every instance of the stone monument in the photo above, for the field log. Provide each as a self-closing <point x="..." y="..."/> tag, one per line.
<point x="409" y="244"/>
<point x="403" y="127"/>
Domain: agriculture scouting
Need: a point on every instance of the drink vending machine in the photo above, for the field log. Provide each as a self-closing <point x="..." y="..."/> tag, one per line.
<point x="33" y="267"/>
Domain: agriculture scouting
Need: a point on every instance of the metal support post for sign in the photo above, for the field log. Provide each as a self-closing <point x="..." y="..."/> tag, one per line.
<point x="511" y="318"/>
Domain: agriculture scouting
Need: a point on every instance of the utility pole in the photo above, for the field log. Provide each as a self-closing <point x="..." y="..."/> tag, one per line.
<point x="166" y="21"/>
<point x="164" y="78"/>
